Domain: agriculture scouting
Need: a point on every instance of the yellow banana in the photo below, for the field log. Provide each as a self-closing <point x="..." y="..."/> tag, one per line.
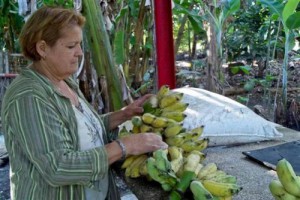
<point x="199" y="167"/>
<point x="148" y="118"/>
<point x="224" y="179"/>
<point x="191" y="145"/>
<point x="143" y="168"/>
<point x="278" y="192"/>
<point x="177" y="116"/>
<point x="174" y="152"/>
<point x="127" y="162"/>
<point x="200" y="192"/>
<point x="169" y="99"/>
<point x="136" y="165"/>
<point x="288" y="177"/>
<point x="221" y="189"/>
<point x="176" y="156"/>
<point x="172" y="130"/>
<point x="159" y="122"/>
<point x="133" y="164"/>
<point x="199" y="153"/>
<point x="136" y="129"/>
<point x="159" y="131"/>
<point x="206" y="170"/>
<point x="176" y="140"/>
<point x="197" y="131"/>
<point x="178" y="106"/>
<point x="146" y="128"/>
<point x="163" y="90"/>
<point x="215" y="175"/>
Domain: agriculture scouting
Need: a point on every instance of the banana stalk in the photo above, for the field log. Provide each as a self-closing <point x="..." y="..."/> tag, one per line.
<point x="189" y="169"/>
<point x="102" y="51"/>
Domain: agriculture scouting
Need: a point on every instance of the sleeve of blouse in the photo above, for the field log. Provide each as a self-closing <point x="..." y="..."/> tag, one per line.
<point x="47" y="142"/>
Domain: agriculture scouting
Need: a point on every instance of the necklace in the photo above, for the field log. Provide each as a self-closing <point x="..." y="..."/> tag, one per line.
<point x="70" y="94"/>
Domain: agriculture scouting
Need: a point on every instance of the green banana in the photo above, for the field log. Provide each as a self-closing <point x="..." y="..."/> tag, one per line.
<point x="167" y="181"/>
<point x="199" y="191"/>
<point x="288" y="177"/>
<point x="160" y="122"/>
<point x="178" y="106"/>
<point x="161" y="160"/>
<point x="151" y="105"/>
<point x="148" y="118"/>
<point x="169" y="99"/>
<point x="177" y="116"/>
<point x="136" y="121"/>
<point x="278" y="192"/>
<point x="224" y="179"/>
<point x="206" y="170"/>
<point x="221" y="189"/>
<point x="123" y="132"/>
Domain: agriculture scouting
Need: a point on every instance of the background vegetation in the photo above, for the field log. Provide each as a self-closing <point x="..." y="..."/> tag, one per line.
<point x="218" y="39"/>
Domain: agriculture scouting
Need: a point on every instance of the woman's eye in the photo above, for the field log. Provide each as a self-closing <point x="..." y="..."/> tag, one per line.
<point x="71" y="47"/>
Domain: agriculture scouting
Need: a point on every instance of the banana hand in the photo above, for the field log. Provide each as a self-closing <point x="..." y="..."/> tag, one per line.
<point x="288" y="177"/>
<point x="278" y="192"/>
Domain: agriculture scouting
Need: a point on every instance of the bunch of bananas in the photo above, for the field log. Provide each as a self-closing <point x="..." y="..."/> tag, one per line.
<point x="180" y="167"/>
<point x="214" y="183"/>
<point x="160" y="169"/>
<point x="287" y="186"/>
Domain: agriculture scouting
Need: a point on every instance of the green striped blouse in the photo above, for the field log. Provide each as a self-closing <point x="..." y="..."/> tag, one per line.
<point x="40" y="132"/>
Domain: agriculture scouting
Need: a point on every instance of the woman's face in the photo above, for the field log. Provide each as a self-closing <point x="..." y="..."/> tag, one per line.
<point x="62" y="58"/>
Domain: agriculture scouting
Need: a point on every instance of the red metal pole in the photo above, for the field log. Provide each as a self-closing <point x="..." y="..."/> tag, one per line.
<point x="164" y="43"/>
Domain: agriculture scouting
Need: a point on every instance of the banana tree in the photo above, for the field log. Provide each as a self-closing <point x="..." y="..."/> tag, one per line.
<point x="133" y="42"/>
<point x="290" y="19"/>
<point x="11" y="23"/>
<point x="216" y="13"/>
<point x="102" y="55"/>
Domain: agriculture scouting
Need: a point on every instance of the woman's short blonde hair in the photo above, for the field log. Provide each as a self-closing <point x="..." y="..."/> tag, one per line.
<point x="46" y="24"/>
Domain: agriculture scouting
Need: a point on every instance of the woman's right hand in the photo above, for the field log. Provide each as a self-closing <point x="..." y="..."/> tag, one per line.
<point x="143" y="143"/>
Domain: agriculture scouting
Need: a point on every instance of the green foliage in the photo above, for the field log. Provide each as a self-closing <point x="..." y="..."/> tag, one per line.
<point x="244" y="68"/>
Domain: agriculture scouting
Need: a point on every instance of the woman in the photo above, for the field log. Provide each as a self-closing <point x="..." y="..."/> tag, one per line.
<point x="59" y="148"/>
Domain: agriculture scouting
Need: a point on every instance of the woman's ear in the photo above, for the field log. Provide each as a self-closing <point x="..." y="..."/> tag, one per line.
<point x="41" y="48"/>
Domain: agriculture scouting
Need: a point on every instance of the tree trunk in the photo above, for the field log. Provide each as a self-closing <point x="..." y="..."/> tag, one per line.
<point x="213" y="61"/>
<point x="180" y="33"/>
<point x="135" y="63"/>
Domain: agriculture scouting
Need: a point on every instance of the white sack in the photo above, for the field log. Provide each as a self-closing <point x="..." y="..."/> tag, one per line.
<point x="226" y="121"/>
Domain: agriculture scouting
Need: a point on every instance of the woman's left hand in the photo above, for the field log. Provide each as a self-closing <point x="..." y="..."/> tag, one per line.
<point x="136" y="107"/>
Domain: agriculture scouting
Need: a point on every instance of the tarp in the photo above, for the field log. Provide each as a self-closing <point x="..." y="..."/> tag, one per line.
<point x="226" y="121"/>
